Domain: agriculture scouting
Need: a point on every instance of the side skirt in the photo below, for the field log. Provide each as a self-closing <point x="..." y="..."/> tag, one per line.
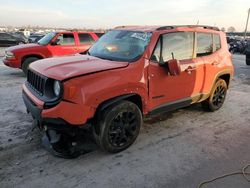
<point x="176" y="104"/>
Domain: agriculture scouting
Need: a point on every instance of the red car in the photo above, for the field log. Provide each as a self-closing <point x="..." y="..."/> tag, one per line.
<point x="51" y="45"/>
<point x="129" y="73"/>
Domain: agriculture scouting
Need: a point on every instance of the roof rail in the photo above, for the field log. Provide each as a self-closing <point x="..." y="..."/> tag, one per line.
<point x="191" y="26"/>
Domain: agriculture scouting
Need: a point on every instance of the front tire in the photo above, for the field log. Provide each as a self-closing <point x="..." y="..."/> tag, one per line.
<point x="217" y="96"/>
<point x="119" y="126"/>
<point x="26" y="64"/>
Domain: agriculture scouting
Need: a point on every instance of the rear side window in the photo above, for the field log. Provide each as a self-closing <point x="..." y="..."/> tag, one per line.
<point x="66" y="39"/>
<point x="217" y="42"/>
<point x="85" y="38"/>
<point x="178" y="45"/>
<point x="204" y="44"/>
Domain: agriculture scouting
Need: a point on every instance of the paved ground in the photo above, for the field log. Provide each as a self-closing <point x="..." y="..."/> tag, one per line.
<point x="177" y="150"/>
<point x="2" y="51"/>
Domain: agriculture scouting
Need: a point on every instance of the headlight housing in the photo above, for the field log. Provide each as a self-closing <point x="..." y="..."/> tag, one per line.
<point x="9" y="55"/>
<point x="57" y="88"/>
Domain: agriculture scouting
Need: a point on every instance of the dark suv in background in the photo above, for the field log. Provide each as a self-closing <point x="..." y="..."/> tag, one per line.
<point x="10" y="40"/>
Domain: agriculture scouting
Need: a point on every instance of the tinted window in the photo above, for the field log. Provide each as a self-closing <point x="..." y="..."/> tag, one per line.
<point x="85" y="38"/>
<point x="204" y="44"/>
<point x="217" y="42"/>
<point x="66" y="39"/>
<point x="178" y="45"/>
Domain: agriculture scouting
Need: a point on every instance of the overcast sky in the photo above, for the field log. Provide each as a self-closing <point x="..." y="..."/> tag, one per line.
<point x="111" y="13"/>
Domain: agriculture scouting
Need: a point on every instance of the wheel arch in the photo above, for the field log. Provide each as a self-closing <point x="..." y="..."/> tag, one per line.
<point x="132" y="97"/>
<point x="226" y="77"/>
<point x="31" y="55"/>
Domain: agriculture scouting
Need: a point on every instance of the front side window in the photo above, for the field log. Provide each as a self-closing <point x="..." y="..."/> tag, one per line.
<point x="174" y="45"/>
<point x="85" y="38"/>
<point x="65" y="39"/>
<point x="204" y="44"/>
<point x="121" y="45"/>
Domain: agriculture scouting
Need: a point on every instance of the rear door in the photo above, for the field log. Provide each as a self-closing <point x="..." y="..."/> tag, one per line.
<point x="63" y="44"/>
<point x="85" y="41"/>
<point x="209" y="51"/>
<point x="165" y="89"/>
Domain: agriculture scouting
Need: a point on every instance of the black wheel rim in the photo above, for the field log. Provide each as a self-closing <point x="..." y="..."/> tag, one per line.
<point x="219" y="96"/>
<point x="123" y="128"/>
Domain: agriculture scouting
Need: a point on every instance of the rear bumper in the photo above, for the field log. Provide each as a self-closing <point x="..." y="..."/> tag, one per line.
<point x="14" y="63"/>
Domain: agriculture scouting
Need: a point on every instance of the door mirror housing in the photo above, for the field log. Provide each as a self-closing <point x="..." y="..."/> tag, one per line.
<point x="55" y="42"/>
<point x="174" y="67"/>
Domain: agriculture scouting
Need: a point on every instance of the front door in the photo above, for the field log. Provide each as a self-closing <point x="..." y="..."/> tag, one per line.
<point x="165" y="89"/>
<point x="64" y="44"/>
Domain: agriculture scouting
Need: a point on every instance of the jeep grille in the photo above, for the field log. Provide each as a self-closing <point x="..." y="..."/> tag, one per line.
<point x="36" y="82"/>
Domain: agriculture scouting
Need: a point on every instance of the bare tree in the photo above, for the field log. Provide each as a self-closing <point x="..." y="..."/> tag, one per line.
<point x="231" y="29"/>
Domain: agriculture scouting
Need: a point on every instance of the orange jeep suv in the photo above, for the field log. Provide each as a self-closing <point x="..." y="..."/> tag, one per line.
<point x="129" y="73"/>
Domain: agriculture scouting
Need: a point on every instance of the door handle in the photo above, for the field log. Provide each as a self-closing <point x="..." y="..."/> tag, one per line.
<point x="215" y="63"/>
<point x="190" y="69"/>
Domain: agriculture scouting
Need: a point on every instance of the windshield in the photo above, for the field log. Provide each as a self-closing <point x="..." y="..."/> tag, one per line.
<point x="121" y="45"/>
<point x="47" y="38"/>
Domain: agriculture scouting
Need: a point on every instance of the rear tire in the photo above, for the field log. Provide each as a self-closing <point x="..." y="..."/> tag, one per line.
<point x="27" y="62"/>
<point x="217" y="96"/>
<point x="118" y="126"/>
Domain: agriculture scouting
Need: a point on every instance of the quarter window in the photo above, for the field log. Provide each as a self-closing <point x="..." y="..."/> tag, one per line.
<point x="204" y="44"/>
<point x="85" y="38"/>
<point x="217" y="42"/>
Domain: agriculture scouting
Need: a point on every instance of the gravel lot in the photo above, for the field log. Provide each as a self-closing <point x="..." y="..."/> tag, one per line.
<point x="180" y="149"/>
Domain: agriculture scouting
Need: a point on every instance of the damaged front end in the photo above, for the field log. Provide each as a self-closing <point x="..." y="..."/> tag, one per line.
<point x="60" y="138"/>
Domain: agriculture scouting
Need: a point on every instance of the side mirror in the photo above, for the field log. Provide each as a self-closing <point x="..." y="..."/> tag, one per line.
<point x="174" y="67"/>
<point x="55" y="42"/>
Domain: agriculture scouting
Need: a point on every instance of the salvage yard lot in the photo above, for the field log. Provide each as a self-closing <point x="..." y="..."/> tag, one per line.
<point x="178" y="149"/>
<point x="2" y="51"/>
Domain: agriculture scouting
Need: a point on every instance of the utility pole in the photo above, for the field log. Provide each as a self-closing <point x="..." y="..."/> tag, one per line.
<point x="247" y="24"/>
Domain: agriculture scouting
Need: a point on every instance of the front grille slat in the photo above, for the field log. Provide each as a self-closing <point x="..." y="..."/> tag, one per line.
<point x="36" y="82"/>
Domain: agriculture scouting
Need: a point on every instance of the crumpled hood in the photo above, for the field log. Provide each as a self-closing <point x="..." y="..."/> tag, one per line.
<point x="62" y="68"/>
<point x="22" y="46"/>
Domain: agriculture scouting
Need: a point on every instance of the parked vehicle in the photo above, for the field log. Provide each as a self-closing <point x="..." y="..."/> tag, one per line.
<point x="130" y="72"/>
<point x="248" y="53"/>
<point x="20" y="35"/>
<point x="7" y="39"/>
<point x="52" y="45"/>
<point x="238" y="46"/>
<point x="34" y="38"/>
